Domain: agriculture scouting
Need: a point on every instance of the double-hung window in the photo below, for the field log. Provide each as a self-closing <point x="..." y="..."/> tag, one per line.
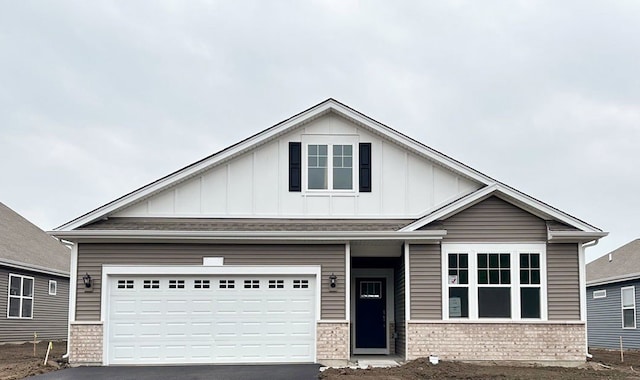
<point x="330" y="167"/>
<point x="628" y="294"/>
<point x="494" y="281"/>
<point x="20" y="297"/>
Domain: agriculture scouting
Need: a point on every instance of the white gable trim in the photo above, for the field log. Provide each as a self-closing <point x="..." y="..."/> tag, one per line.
<point x="527" y="203"/>
<point x="251" y="142"/>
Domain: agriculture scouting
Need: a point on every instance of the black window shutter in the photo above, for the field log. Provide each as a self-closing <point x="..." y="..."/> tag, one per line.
<point x="295" y="166"/>
<point x="365" y="167"/>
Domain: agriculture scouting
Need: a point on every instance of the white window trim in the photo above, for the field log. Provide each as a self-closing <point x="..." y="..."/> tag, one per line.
<point x="514" y="249"/>
<point x="602" y="293"/>
<point x="330" y="141"/>
<point x="21" y="297"/>
<point x="55" y="287"/>
<point x="623" y="308"/>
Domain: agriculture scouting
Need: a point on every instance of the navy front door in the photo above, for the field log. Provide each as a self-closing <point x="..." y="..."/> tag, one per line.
<point x="371" y="319"/>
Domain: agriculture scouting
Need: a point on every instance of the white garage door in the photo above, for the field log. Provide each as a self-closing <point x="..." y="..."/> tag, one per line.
<point x="211" y="319"/>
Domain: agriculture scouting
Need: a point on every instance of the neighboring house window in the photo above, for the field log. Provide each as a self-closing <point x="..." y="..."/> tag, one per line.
<point x="499" y="281"/>
<point x="53" y="287"/>
<point x="600" y="293"/>
<point x="20" y="296"/>
<point x="628" y="307"/>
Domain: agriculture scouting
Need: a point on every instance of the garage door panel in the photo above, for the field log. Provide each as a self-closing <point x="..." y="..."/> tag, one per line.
<point x="204" y="320"/>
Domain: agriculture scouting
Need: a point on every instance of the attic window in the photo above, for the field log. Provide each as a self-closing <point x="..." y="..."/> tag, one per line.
<point x="330" y="163"/>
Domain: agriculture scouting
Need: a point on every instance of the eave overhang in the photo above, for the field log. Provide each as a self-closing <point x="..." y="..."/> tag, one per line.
<point x="286" y="237"/>
<point x="33" y="268"/>
<point x="613" y="279"/>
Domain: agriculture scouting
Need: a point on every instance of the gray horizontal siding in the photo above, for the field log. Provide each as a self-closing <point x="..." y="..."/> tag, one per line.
<point x="50" y="313"/>
<point x="563" y="281"/>
<point x="92" y="256"/>
<point x="604" y="318"/>
<point x="425" y="281"/>
<point x="493" y="220"/>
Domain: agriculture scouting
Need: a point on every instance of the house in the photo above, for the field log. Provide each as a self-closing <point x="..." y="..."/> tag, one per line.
<point x="34" y="278"/>
<point x="325" y="236"/>
<point x="612" y="313"/>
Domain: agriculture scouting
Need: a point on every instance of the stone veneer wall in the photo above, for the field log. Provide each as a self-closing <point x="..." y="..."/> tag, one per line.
<point x="86" y="344"/>
<point x="332" y="343"/>
<point x="538" y="342"/>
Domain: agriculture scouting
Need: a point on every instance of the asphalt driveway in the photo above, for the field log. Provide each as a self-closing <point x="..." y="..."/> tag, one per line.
<point x="195" y="372"/>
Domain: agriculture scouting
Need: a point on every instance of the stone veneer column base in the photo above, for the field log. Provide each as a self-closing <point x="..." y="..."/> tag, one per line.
<point x="85" y="345"/>
<point x="332" y="343"/>
<point x="552" y="343"/>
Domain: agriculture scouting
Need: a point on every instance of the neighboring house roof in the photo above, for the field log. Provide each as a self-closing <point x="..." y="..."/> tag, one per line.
<point x="577" y="230"/>
<point x="205" y="224"/>
<point x="619" y="265"/>
<point x="24" y="245"/>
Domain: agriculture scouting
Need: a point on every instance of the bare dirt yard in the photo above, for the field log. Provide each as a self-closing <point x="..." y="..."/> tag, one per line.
<point x="17" y="360"/>
<point x="604" y="365"/>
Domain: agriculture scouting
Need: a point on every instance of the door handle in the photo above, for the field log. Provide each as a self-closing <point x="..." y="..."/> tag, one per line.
<point x="384" y="315"/>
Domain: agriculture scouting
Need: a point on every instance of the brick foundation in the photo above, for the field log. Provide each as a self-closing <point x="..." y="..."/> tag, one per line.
<point x="531" y="342"/>
<point x="85" y="344"/>
<point x="332" y="343"/>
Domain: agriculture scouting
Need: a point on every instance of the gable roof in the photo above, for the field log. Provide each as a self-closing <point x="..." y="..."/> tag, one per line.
<point x="585" y="231"/>
<point x="624" y="265"/>
<point x="25" y="246"/>
<point x="327" y="106"/>
<point x="492" y="187"/>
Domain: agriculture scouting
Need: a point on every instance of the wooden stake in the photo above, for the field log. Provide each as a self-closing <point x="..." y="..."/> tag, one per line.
<point x="621" y="351"/>
<point x="46" y="358"/>
<point x="35" y="336"/>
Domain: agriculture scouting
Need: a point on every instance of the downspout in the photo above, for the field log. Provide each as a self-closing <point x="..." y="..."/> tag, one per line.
<point x="73" y="271"/>
<point x="584" y="290"/>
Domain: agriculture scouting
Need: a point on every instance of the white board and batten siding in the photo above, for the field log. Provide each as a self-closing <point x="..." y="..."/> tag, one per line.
<point x="175" y="319"/>
<point x="255" y="184"/>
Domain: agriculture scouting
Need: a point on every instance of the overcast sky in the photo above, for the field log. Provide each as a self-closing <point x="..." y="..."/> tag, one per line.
<point x="99" y="98"/>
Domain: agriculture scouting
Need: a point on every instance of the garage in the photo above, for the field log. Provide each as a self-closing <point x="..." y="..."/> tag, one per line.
<point x="203" y="318"/>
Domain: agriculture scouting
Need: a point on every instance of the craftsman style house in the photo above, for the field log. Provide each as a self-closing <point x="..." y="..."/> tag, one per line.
<point x="324" y="236"/>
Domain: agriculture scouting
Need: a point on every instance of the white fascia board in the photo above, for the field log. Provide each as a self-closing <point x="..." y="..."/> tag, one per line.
<point x="610" y="280"/>
<point x="263" y="136"/>
<point x="33" y="268"/>
<point x="521" y="199"/>
<point x="251" y="236"/>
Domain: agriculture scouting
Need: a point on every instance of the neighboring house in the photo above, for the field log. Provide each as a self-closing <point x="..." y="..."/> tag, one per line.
<point x="34" y="278"/>
<point x="324" y="236"/>
<point x="613" y="296"/>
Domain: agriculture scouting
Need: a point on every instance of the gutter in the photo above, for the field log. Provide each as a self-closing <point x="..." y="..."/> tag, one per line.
<point x="588" y="238"/>
<point x="247" y="236"/>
